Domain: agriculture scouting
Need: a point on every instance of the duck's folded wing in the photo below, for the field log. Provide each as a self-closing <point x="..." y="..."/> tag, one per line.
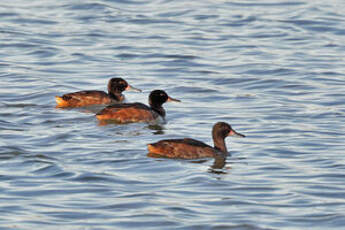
<point x="83" y="98"/>
<point x="186" y="148"/>
<point x="85" y="95"/>
<point x="129" y="112"/>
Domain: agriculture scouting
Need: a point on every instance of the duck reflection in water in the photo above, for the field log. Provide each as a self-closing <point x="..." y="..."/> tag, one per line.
<point x="218" y="165"/>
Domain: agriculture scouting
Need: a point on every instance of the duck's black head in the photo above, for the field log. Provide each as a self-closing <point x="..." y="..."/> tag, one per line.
<point x="158" y="97"/>
<point x="118" y="85"/>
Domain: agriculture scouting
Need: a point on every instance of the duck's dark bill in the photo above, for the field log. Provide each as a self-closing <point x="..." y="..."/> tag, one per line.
<point x="131" y="88"/>
<point x="234" y="133"/>
<point x="173" y="99"/>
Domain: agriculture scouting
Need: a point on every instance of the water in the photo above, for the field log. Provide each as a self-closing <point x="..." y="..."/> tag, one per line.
<point x="272" y="69"/>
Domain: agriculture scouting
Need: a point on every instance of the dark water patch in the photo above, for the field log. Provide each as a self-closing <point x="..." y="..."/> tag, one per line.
<point x="26" y="21"/>
<point x="13" y="32"/>
<point x="268" y="4"/>
<point x="20" y="45"/>
<point x="91" y="178"/>
<point x="127" y="56"/>
<point x="322" y="220"/>
<point x="262" y="35"/>
<point x="8" y="14"/>
<point x="171" y="56"/>
<point x="234" y="80"/>
<point x="308" y="22"/>
<point x="56" y="70"/>
<point x="146" y="224"/>
<point x="86" y="6"/>
<point x="12" y="151"/>
<point x="40" y="156"/>
<point x="73" y="215"/>
<point x="239" y="23"/>
<point x="43" y="54"/>
<point x="148" y="195"/>
<point x="270" y="72"/>
<point x="123" y="47"/>
<point x="20" y="105"/>
<point x="51" y="140"/>
<point x="123" y="181"/>
<point x="129" y="2"/>
<point x="47" y="170"/>
<point x="145" y="21"/>
<point x="179" y="13"/>
<point x="127" y="205"/>
<point x="95" y="34"/>
<point x="218" y="226"/>
<point x="55" y="192"/>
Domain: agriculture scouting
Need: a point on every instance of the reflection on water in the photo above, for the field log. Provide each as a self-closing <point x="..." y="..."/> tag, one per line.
<point x="94" y="109"/>
<point x="156" y="125"/>
<point x="274" y="69"/>
<point x="219" y="163"/>
<point x="157" y="128"/>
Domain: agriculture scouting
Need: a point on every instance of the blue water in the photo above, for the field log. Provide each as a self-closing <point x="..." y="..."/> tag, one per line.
<point x="274" y="70"/>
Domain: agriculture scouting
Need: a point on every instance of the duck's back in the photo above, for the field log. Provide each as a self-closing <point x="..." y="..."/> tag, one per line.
<point x="83" y="98"/>
<point x="128" y="112"/>
<point x="186" y="148"/>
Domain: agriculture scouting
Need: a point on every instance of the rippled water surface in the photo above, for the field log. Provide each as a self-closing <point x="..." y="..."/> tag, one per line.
<point x="272" y="69"/>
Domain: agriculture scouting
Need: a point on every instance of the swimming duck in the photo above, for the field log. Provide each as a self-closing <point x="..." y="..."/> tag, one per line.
<point x="94" y="97"/>
<point x="188" y="148"/>
<point x="137" y="112"/>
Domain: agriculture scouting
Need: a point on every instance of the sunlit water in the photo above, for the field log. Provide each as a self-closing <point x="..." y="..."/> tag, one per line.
<point x="274" y="70"/>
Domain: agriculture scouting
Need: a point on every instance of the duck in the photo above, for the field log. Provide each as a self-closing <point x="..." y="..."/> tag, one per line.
<point x="189" y="148"/>
<point x="94" y="97"/>
<point x="137" y="112"/>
